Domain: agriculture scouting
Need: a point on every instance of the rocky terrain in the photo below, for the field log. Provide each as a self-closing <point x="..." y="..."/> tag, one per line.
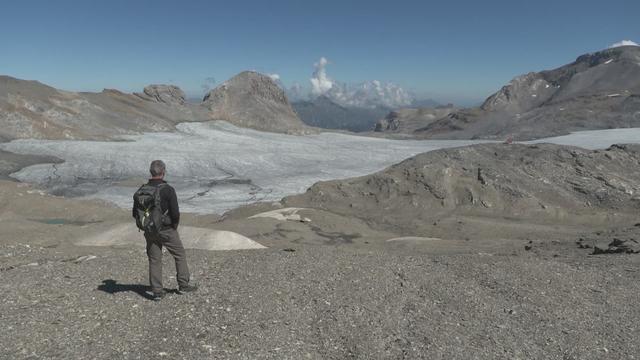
<point x="426" y="259"/>
<point x="521" y="190"/>
<point x="320" y="303"/>
<point x="168" y="94"/>
<point x="597" y="91"/>
<point x="411" y="120"/>
<point x="255" y="101"/>
<point x="322" y="112"/>
<point x="29" y="109"/>
<point x="486" y="251"/>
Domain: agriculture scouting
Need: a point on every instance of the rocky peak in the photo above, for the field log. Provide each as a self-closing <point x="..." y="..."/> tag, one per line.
<point x="521" y="94"/>
<point x="389" y="123"/>
<point x="531" y="90"/>
<point x="168" y="94"/>
<point x="252" y="84"/>
<point x="253" y="100"/>
<point x="601" y="57"/>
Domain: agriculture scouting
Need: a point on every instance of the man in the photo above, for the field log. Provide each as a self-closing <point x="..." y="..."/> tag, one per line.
<point x="167" y="236"/>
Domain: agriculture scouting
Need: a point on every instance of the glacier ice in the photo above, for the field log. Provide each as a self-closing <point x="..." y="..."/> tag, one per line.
<point x="215" y="166"/>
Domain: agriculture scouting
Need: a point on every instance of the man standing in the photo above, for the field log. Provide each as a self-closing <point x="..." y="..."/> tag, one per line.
<point x="167" y="234"/>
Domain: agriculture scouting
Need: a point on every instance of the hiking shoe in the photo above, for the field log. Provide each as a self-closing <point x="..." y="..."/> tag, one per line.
<point x="187" y="288"/>
<point x="157" y="296"/>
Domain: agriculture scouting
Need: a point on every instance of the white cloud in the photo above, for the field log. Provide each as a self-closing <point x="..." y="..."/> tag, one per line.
<point x="369" y="94"/>
<point x="320" y="82"/>
<point x="624" y="43"/>
<point x="274" y="77"/>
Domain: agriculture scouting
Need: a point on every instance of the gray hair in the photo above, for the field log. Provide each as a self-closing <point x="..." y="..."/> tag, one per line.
<point x="157" y="168"/>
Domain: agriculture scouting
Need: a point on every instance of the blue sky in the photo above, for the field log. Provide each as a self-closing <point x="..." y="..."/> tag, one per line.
<point x="450" y="50"/>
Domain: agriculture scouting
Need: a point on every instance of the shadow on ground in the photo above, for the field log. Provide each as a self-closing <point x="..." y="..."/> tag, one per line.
<point x="111" y="286"/>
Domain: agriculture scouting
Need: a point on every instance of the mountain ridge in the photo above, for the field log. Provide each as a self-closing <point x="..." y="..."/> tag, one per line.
<point x="31" y="109"/>
<point x="600" y="90"/>
<point x="324" y="113"/>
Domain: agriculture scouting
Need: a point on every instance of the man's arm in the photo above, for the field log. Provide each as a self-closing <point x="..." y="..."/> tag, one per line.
<point x="174" y="209"/>
<point x="133" y="211"/>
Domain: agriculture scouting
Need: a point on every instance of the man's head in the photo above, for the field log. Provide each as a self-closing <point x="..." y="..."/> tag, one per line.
<point x="157" y="169"/>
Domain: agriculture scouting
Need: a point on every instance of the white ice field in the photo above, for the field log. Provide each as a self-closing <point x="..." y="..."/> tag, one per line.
<point x="216" y="167"/>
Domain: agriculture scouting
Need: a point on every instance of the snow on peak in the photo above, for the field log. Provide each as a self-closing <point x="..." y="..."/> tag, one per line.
<point x="623" y="43"/>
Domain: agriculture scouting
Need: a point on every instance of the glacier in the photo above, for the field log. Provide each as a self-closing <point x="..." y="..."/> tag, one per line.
<point x="216" y="166"/>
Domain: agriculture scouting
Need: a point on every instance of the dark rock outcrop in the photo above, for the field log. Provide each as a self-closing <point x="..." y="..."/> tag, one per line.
<point x="168" y="94"/>
<point x="541" y="183"/>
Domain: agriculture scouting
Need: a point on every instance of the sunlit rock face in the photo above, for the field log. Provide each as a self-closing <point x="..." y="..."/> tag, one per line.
<point x="216" y="166"/>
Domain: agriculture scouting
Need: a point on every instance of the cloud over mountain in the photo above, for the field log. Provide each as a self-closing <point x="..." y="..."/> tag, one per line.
<point x="320" y="82"/>
<point x="369" y="94"/>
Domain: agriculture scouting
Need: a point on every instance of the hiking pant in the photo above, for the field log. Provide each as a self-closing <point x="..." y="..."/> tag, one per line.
<point x="170" y="239"/>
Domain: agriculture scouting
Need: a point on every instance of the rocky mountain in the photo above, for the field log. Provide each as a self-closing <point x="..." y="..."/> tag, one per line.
<point x="30" y="109"/>
<point x="411" y="120"/>
<point x="597" y="91"/>
<point x="497" y="182"/>
<point x="168" y="94"/>
<point x="253" y="100"/>
<point x="322" y="112"/>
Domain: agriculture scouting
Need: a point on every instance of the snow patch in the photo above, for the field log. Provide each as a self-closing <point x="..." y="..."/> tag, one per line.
<point x="192" y="238"/>
<point x="623" y="43"/>
<point x="286" y="214"/>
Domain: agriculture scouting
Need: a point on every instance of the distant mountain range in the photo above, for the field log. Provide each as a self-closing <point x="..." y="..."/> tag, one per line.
<point x="323" y="112"/>
<point x="411" y="120"/>
<point x="597" y="91"/>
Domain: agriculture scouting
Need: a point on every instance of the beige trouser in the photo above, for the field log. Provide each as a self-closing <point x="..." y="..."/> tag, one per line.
<point x="170" y="239"/>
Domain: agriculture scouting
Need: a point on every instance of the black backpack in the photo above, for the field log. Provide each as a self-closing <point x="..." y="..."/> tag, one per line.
<point x="148" y="212"/>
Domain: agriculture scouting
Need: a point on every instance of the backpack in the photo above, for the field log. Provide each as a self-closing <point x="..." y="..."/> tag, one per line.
<point x="148" y="212"/>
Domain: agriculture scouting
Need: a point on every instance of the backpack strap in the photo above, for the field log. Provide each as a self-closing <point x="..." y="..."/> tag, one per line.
<point x="156" y="196"/>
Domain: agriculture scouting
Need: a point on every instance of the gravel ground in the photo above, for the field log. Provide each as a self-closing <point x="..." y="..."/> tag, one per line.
<point x="322" y="302"/>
